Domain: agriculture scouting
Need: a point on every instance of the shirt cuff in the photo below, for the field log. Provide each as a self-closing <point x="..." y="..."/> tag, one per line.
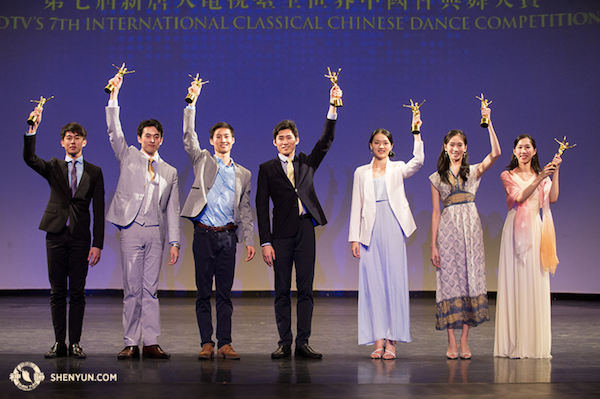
<point x="113" y="103"/>
<point x="331" y="116"/>
<point x="30" y="134"/>
<point x="190" y="107"/>
<point x="265" y="244"/>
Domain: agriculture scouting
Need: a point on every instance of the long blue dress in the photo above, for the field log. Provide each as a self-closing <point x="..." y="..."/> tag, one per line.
<point x="383" y="308"/>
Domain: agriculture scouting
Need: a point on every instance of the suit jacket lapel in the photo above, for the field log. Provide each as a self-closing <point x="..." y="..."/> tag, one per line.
<point x="63" y="179"/>
<point x="238" y="188"/>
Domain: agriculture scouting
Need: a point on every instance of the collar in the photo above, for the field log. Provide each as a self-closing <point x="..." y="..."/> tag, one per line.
<point x="156" y="157"/>
<point x="283" y="158"/>
<point x="69" y="159"/>
<point x="221" y="163"/>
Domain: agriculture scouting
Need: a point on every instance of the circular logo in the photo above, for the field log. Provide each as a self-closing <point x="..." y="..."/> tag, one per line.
<point x="27" y="376"/>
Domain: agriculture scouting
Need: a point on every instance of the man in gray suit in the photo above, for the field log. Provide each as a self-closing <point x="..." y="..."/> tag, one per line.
<point x="146" y="191"/>
<point x="219" y="207"/>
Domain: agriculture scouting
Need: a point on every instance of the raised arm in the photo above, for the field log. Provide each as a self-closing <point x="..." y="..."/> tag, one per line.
<point x="190" y="137"/>
<point x="489" y="160"/>
<point x="115" y="131"/>
<point x="554" y="188"/>
<point x="29" y="156"/>
<point x="418" y="159"/>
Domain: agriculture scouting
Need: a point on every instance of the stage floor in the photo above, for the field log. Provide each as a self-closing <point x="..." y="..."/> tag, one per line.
<point x="346" y="371"/>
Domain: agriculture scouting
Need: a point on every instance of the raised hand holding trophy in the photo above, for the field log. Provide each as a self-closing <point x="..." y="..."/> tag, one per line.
<point x="416" y="127"/>
<point x="564" y="145"/>
<point x="199" y="82"/>
<point x="122" y="71"/>
<point x="333" y="78"/>
<point x="33" y="118"/>
<point x="485" y="121"/>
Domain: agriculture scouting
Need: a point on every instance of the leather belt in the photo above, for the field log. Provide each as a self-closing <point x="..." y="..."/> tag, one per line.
<point x="305" y="216"/>
<point x="227" y="227"/>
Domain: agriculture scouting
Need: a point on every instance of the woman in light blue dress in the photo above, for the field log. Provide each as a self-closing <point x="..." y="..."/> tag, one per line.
<point x="380" y="221"/>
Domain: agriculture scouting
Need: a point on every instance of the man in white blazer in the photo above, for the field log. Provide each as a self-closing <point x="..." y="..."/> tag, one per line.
<point x="219" y="206"/>
<point x="147" y="192"/>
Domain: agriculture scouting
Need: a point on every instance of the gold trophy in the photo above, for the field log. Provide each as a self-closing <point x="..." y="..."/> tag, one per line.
<point x="122" y="71"/>
<point x="485" y="121"/>
<point x="415" y="110"/>
<point x="33" y="118"/>
<point x="564" y="145"/>
<point x="333" y="78"/>
<point x="199" y="82"/>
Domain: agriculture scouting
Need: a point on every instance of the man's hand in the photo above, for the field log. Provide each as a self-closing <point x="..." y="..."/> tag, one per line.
<point x="268" y="254"/>
<point x="174" y="254"/>
<point x="94" y="256"/>
<point x="195" y="90"/>
<point x="117" y="82"/>
<point x="251" y="253"/>
<point x="38" y="114"/>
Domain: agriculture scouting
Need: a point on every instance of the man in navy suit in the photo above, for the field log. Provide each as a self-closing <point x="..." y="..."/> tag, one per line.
<point x="74" y="184"/>
<point x="287" y="181"/>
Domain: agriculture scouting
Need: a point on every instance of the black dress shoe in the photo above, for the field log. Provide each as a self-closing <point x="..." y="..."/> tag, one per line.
<point x="130" y="352"/>
<point x="307" y="351"/>
<point x="155" y="352"/>
<point x="75" y="350"/>
<point x="282" y="351"/>
<point x="57" y="350"/>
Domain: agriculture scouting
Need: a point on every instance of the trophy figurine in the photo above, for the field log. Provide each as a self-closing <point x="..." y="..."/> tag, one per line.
<point x="199" y="82"/>
<point x="33" y="118"/>
<point x="333" y="78"/>
<point x="122" y="71"/>
<point x="564" y="145"/>
<point x="415" y="110"/>
<point x="485" y="121"/>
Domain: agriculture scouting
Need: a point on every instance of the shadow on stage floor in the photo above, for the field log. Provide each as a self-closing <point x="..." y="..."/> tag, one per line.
<point x="346" y="371"/>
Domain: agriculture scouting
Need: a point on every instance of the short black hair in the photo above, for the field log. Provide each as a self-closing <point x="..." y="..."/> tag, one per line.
<point x="149" y="122"/>
<point x="286" y="124"/>
<point x="73" y="127"/>
<point x="219" y="126"/>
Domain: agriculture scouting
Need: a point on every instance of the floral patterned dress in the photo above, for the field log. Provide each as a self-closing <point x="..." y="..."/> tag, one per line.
<point x="461" y="292"/>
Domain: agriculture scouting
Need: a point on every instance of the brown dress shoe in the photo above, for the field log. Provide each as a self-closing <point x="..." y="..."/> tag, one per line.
<point x="155" y="352"/>
<point x="228" y="353"/>
<point x="130" y="352"/>
<point x="207" y="351"/>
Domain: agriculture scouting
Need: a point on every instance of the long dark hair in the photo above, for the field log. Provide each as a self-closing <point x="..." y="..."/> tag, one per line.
<point x="514" y="161"/>
<point x="443" y="164"/>
<point x="387" y="134"/>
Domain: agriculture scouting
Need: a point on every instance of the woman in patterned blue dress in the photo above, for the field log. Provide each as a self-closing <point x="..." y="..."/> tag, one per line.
<point x="457" y="239"/>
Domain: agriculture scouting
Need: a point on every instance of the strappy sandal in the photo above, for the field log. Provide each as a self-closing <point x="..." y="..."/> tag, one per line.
<point x="376" y="354"/>
<point x="452" y="355"/>
<point x="389" y="355"/>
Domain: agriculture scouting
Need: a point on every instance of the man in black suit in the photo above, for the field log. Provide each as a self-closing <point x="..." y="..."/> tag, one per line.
<point x="74" y="183"/>
<point x="296" y="210"/>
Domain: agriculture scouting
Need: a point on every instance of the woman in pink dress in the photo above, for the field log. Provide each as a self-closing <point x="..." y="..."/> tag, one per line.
<point x="527" y="255"/>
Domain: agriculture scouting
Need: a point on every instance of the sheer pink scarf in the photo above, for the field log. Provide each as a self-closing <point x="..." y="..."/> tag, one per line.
<point x="522" y="229"/>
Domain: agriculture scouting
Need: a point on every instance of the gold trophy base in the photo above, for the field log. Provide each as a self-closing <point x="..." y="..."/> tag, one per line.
<point x="109" y="88"/>
<point x="337" y="102"/>
<point x="416" y="129"/>
<point x="31" y="120"/>
<point x="190" y="98"/>
<point x="485" y="122"/>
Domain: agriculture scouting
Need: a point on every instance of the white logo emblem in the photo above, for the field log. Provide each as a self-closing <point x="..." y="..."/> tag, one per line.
<point x="27" y="376"/>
